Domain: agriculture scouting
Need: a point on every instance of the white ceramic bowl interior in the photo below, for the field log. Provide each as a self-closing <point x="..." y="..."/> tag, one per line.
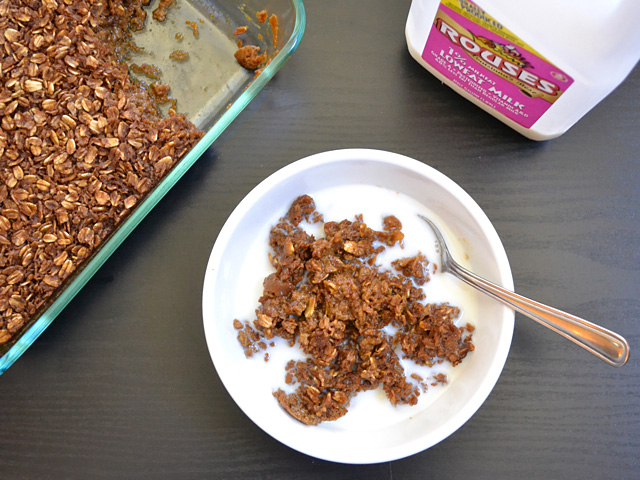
<point x="373" y="431"/>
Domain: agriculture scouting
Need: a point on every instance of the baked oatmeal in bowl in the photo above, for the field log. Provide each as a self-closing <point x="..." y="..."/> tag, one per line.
<point x="327" y="317"/>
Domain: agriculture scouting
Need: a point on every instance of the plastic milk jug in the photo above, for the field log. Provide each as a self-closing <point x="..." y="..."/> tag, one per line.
<point x="538" y="66"/>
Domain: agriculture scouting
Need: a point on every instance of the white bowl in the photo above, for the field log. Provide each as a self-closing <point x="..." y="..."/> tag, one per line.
<point x="373" y="431"/>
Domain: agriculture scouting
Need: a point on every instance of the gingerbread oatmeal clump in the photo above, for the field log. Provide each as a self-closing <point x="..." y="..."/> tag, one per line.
<point x="350" y="317"/>
<point x="249" y="57"/>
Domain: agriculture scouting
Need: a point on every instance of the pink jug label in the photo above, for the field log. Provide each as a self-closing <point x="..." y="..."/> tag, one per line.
<point x="479" y="55"/>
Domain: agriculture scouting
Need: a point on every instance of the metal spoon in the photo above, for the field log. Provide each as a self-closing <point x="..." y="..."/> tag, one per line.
<point x="604" y="344"/>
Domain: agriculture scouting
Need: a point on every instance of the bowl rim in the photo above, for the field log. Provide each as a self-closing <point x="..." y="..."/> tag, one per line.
<point x="328" y="158"/>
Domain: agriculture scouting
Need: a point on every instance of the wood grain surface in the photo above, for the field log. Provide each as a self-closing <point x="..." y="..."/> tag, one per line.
<point x="121" y="385"/>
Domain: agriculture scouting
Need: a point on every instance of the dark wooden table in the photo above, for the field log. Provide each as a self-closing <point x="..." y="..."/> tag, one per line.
<point x="121" y="385"/>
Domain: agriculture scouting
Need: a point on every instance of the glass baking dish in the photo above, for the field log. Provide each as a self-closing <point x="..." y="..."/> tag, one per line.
<point x="211" y="89"/>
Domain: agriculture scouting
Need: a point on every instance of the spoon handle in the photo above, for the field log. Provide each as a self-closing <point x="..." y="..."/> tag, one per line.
<point x="607" y="345"/>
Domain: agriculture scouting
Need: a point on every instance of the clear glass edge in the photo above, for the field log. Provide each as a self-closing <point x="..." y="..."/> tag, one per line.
<point x="122" y="232"/>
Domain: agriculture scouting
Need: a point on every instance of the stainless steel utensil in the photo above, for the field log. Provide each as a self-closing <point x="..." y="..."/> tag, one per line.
<point x="604" y="344"/>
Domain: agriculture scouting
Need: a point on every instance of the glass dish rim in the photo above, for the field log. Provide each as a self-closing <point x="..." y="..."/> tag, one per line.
<point x="27" y="338"/>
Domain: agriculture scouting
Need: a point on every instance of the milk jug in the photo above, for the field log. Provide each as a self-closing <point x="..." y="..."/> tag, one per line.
<point x="538" y="66"/>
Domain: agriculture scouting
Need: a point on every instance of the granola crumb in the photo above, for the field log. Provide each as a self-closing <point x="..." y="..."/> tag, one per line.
<point x="249" y="57"/>
<point x="179" y="55"/>
<point x="240" y="30"/>
<point x="160" y="13"/>
<point x="194" y="27"/>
